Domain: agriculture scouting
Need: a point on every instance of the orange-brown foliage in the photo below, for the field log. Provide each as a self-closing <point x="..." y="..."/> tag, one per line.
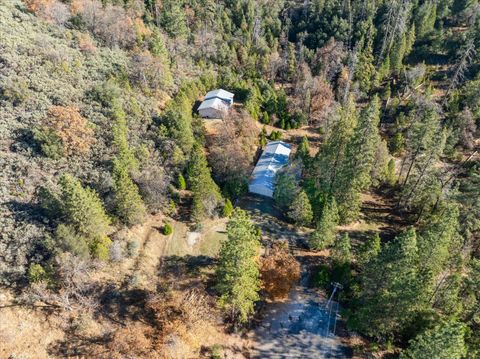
<point x="71" y="127"/>
<point x="280" y="271"/>
<point x="322" y="99"/>
<point x="37" y="5"/>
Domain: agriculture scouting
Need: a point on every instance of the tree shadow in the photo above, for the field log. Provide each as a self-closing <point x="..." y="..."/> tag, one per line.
<point x="23" y="141"/>
<point x="79" y="346"/>
<point x="187" y="272"/>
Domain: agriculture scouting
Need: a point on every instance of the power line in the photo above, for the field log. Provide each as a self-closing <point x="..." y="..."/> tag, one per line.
<point x="329" y="307"/>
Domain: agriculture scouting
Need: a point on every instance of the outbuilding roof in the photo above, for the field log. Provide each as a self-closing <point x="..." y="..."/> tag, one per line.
<point x="215" y="103"/>
<point x="274" y="157"/>
<point x="220" y="93"/>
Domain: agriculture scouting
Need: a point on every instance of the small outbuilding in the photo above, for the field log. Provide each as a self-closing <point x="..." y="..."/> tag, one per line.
<point x="216" y="104"/>
<point x="273" y="159"/>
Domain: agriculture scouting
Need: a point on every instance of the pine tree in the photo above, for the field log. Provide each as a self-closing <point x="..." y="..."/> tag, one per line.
<point x="120" y="137"/>
<point x="324" y="234"/>
<point x="82" y="208"/>
<point x="444" y="341"/>
<point x="365" y="70"/>
<point x="180" y="128"/>
<point x="206" y="194"/>
<point x="397" y="54"/>
<point x="331" y="156"/>
<point x="341" y="251"/>
<point x="301" y="210"/>
<point x="238" y="276"/>
<point x="291" y="62"/>
<point x="369" y="250"/>
<point x="392" y="291"/>
<point x="303" y="151"/>
<point x="438" y="239"/>
<point x="391" y="177"/>
<point x="286" y="188"/>
<point x="129" y="205"/>
<point x="173" y="19"/>
<point x="425" y="144"/>
<point x="425" y="18"/>
<point x="355" y="173"/>
<point x="383" y="71"/>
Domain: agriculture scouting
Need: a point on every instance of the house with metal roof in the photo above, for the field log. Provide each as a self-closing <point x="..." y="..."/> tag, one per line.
<point x="216" y="104"/>
<point x="273" y="159"/>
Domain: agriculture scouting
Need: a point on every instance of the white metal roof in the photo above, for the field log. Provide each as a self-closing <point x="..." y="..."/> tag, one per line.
<point x="219" y="93"/>
<point x="215" y="103"/>
<point x="274" y="157"/>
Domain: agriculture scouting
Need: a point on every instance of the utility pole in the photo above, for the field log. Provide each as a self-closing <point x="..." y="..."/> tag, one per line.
<point x="329" y="307"/>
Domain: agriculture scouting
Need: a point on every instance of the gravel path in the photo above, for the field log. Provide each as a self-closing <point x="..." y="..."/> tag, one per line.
<point x="297" y="328"/>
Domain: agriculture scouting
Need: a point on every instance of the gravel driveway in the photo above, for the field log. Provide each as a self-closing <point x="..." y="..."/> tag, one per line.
<point x="297" y="328"/>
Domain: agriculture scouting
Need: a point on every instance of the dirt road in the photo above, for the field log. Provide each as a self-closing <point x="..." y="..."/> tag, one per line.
<point x="300" y="327"/>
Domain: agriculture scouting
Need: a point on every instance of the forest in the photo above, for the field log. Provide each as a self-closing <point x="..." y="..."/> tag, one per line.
<point x="127" y="229"/>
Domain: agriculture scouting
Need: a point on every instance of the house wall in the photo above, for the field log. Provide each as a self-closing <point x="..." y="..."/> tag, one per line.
<point x="261" y="190"/>
<point x="212" y="113"/>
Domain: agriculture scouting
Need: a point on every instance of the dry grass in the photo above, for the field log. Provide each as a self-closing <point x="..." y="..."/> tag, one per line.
<point x="27" y="333"/>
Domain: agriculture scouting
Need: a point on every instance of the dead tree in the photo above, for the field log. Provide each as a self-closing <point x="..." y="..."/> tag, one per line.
<point x="394" y="26"/>
<point x="461" y="68"/>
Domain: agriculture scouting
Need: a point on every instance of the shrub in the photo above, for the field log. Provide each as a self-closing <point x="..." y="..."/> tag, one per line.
<point x="36" y="273"/>
<point x="228" y="208"/>
<point x="49" y="142"/>
<point x="181" y="183"/>
<point x="15" y="90"/>
<point x="100" y="246"/>
<point x="69" y="240"/>
<point x="71" y="128"/>
<point x="275" y="135"/>
<point x="322" y="277"/>
<point x="116" y="254"/>
<point x="132" y="248"/>
<point x="167" y="229"/>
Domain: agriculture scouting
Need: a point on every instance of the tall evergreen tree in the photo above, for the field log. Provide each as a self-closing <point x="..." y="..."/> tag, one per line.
<point x="173" y="19"/>
<point x="83" y="208"/>
<point x="444" y="341"/>
<point x="355" y="174"/>
<point x="398" y="53"/>
<point x="331" y="156"/>
<point x="425" y="144"/>
<point x="286" y="189"/>
<point x="392" y="291"/>
<point x="238" y="276"/>
<point x="341" y="251"/>
<point x="129" y="205"/>
<point x="301" y="210"/>
<point x="324" y="234"/>
<point x="206" y="194"/>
